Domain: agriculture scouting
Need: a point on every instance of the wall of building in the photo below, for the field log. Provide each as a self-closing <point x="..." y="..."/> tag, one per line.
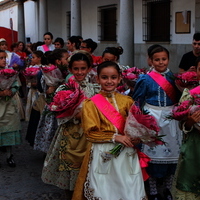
<point x="57" y="24"/>
<point x="9" y="12"/>
<point x="31" y="20"/>
<point x="179" y="44"/>
<point x="55" y="18"/>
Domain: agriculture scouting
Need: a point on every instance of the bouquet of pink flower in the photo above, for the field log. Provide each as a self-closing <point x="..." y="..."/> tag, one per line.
<point x="133" y="73"/>
<point x="189" y="106"/>
<point x="140" y="125"/>
<point x="30" y="74"/>
<point x="7" y="78"/>
<point x="52" y="75"/>
<point x="143" y="126"/>
<point x="129" y="77"/>
<point x="66" y="101"/>
<point x="186" y="80"/>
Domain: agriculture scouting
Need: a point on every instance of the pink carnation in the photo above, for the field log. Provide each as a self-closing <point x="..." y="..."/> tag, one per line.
<point x="186" y="80"/>
<point x="47" y="69"/>
<point x="31" y="71"/>
<point x="181" y="111"/>
<point x="189" y="76"/>
<point x="132" y="73"/>
<point x="8" y="72"/>
<point x="66" y="101"/>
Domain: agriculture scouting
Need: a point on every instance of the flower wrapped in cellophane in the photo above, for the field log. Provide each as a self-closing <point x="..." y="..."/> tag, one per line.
<point x="7" y="78"/>
<point x="31" y="73"/>
<point x="133" y="73"/>
<point x="186" y="80"/>
<point x="140" y="125"/>
<point x="188" y="106"/>
<point x="129" y="78"/>
<point x="143" y="126"/>
<point x="52" y="75"/>
<point x="67" y="101"/>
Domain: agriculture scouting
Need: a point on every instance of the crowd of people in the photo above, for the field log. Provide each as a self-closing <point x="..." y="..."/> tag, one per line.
<point x="108" y="131"/>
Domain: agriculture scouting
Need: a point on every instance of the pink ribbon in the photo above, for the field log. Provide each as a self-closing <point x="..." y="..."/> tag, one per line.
<point x="195" y="90"/>
<point x="45" y="47"/>
<point x="164" y="84"/>
<point x="109" y="112"/>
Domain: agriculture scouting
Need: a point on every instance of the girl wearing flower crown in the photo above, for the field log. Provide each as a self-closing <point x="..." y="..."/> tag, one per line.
<point x="156" y="93"/>
<point x="102" y="175"/>
<point x="9" y="117"/>
<point x="187" y="182"/>
<point x="64" y="158"/>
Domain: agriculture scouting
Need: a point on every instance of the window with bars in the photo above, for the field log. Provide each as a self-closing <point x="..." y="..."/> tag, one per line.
<point x="156" y="20"/>
<point x="107" y="23"/>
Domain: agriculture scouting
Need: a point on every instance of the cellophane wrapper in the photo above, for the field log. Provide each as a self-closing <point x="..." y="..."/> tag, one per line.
<point x="53" y="78"/>
<point x="6" y="81"/>
<point x="142" y="126"/>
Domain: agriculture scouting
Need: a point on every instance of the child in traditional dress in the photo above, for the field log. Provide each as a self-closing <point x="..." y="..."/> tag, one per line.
<point x="64" y="158"/>
<point x="9" y="117"/>
<point x="33" y="93"/>
<point x="48" y="124"/>
<point x="187" y="180"/>
<point x="156" y="93"/>
<point x="104" y="176"/>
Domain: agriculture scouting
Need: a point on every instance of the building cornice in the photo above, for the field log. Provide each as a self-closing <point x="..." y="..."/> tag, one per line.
<point x="8" y="4"/>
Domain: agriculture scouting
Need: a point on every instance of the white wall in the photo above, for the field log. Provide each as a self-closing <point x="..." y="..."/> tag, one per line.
<point x="54" y="14"/>
<point x="179" y="6"/>
<point x="138" y="29"/>
<point x="65" y="7"/>
<point x="5" y="16"/>
<point x="31" y="20"/>
<point x="90" y="17"/>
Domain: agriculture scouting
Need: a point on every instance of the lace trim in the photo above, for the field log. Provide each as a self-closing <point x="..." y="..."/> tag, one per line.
<point x="89" y="192"/>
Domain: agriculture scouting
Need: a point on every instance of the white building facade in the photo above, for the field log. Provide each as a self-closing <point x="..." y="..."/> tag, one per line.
<point x="132" y="24"/>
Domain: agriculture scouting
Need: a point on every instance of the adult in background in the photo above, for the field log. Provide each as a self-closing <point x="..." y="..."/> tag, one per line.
<point x="89" y="45"/>
<point x="48" y="43"/>
<point x="73" y="44"/>
<point x="59" y="43"/>
<point x="189" y="59"/>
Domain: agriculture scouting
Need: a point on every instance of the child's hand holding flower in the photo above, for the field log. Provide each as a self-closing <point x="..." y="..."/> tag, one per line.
<point x="192" y="119"/>
<point x="124" y="139"/>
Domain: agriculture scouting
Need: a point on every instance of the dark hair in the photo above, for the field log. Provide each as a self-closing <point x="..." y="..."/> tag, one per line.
<point x="79" y="37"/>
<point x="79" y="57"/>
<point x="56" y="54"/>
<point x="13" y="45"/>
<point x="116" y="51"/>
<point x="90" y="44"/>
<point x="35" y="45"/>
<point x="108" y="64"/>
<point x="50" y="34"/>
<point x="47" y="55"/>
<point x="157" y="50"/>
<point x="151" y="48"/>
<point x="60" y="40"/>
<point x="196" y="36"/>
<point x="75" y="39"/>
<point x="40" y="54"/>
<point x="20" y="43"/>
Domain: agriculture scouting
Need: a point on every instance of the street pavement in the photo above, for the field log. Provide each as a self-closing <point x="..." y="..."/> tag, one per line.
<point x="24" y="181"/>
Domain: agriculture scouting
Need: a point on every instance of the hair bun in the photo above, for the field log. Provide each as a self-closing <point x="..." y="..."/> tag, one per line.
<point x="120" y="50"/>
